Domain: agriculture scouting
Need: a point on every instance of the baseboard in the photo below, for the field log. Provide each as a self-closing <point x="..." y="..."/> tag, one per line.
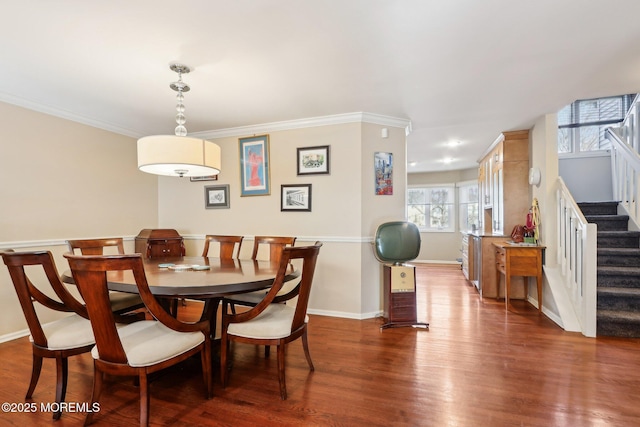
<point x="345" y="315"/>
<point x="14" y="335"/>
<point x="435" y="261"/>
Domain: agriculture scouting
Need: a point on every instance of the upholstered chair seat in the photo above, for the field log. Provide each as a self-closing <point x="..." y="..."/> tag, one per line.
<point x="150" y="342"/>
<point x="274" y="322"/>
<point x="69" y="332"/>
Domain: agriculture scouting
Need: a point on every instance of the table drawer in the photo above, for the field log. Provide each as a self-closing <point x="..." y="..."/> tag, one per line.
<point x="501" y="260"/>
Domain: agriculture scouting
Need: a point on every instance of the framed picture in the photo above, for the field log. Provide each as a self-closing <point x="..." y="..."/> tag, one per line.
<point x="254" y="166"/>
<point x="296" y="198"/>
<point x="383" y="165"/>
<point x="313" y="160"/>
<point x="203" y="178"/>
<point x="216" y="197"/>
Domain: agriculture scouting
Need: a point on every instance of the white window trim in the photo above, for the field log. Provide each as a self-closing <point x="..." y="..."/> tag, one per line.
<point x="454" y="221"/>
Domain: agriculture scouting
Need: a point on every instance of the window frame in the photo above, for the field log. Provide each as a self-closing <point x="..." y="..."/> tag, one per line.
<point x="459" y="187"/>
<point x="575" y="125"/>
<point x="452" y="207"/>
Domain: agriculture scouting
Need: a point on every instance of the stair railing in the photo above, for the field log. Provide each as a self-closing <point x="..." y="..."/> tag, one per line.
<point x="577" y="257"/>
<point x="625" y="165"/>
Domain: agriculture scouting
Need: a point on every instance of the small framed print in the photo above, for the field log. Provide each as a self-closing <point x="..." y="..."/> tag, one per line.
<point x="383" y="165"/>
<point x="216" y="197"/>
<point x="203" y="178"/>
<point x="254" y="166"/>
<point x="296" y="198"/>
<point x="313" y="160"/>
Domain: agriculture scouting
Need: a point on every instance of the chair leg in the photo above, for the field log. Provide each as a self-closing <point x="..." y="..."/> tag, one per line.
<point x="206" y="368"/>
<point x="98" y="377"/>
<point x="144" y="399"/>
<point x="224" y="352"/>
<point x="305" y="346"/>
<point x="281" y="379"/>
<point x="35" y="375"/>
<point x="62" y="368"/>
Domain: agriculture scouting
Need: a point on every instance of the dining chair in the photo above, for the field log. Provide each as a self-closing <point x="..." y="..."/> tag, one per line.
<point x="274" y="324"/>
<point x="121" y="302"/>
<point x="275" y="246"/>
<point x="227" y="245"/>
<point x="141" y="348"/>
<point x="60" y="339"/>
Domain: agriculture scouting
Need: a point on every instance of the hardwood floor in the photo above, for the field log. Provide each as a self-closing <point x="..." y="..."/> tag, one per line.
<point x="476" y="366"/>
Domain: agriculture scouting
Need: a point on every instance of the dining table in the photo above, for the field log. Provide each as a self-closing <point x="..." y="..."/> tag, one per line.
<point x="208" y="279"/>
<point x="197" y="277"/>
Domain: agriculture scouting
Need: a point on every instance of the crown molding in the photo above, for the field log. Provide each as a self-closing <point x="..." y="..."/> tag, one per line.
<point x="358" y="117"/>
<point x="336" y="119"/>
<point x="67" y="115"/>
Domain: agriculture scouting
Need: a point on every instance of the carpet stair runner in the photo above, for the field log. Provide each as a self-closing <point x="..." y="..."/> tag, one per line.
<point x="618" y="271"/>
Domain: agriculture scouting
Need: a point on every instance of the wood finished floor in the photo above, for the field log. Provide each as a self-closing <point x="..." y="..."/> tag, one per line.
<point x="476" y="366"/>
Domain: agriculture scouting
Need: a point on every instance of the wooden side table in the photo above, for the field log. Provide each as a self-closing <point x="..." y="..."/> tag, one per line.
<point x="518" y="260"/>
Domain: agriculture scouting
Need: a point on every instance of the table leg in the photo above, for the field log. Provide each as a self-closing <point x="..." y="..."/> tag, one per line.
<point x="539" y="285"/>
<point x="507" y="290"/>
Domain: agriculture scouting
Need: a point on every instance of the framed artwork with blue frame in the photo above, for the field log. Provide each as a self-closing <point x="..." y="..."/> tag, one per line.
<point x="254" y="166"/>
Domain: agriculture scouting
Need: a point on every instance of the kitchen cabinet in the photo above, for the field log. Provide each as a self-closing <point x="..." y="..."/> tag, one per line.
<point x="504" y="203"/>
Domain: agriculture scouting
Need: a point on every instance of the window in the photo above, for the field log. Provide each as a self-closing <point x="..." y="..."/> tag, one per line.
<point x="468" y="205"/>
<point x="581" y="125"/>
<point x="432" y="208"/>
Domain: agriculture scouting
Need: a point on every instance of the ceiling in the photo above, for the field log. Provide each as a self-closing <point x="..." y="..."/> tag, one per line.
<point x="461" y="71"/>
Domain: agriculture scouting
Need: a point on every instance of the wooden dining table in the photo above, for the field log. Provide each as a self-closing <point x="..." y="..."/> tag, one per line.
<point x="201" y="278"/>
<point x="197" y="277"/>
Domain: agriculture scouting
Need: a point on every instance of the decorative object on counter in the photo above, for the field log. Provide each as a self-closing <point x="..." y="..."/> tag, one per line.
<point x="254" y="166"/>
<point x="178" y="155"/>
<point x="535" y="220"/>
<point x="517" y="234"/>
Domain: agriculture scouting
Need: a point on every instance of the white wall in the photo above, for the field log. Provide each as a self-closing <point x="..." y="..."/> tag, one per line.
<point x="595" y="186"/>
<point x="62" y="180"/>
<point x="543" y="154"/>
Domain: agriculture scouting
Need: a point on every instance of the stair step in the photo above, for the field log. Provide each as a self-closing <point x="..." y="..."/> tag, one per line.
<point x="618" y="324"/>
<point x="598" y="208"/>
<point x="619" y="299"/>
<point x="619" y="257"/>
<point x="620" y="277"/>
<point x="618" y="239"/>
<point x="609" y="222"/>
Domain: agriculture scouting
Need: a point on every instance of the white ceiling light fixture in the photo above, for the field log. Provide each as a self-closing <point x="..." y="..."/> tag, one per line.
<point x="178" y="155"/>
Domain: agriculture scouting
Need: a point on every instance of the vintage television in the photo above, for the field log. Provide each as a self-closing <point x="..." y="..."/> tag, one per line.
<point x="396" y="243"/>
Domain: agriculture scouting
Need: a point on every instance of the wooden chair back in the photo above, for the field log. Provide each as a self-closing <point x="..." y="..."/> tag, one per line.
<point x="227" y="245"/>
<point x="29" y="294"/>
<point x="96" y="246"/>
<point x="89" y="274"/>
<point x="276" y="245"/>
<point x="308" y="255"/>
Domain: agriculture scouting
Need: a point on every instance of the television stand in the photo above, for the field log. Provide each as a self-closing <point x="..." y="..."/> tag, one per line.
<point x="399" y="288"/>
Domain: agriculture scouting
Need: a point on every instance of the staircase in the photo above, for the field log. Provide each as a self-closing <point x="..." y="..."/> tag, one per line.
<point x="618" y="271"/>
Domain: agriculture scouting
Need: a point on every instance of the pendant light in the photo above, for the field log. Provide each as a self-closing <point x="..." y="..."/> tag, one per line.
<point x="178" y="155"/>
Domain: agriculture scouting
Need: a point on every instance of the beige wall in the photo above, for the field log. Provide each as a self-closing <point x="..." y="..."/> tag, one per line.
<point x="65" y="180"/>
<point x="442" y="246"/>
<point x="62" y="180"/>
<point x="344" y="212"/>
